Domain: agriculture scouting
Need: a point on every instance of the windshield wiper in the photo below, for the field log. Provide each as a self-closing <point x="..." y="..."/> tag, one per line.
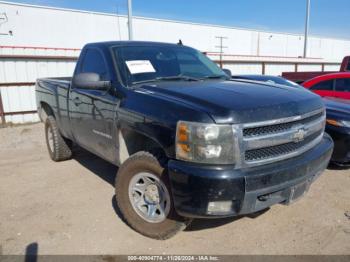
<point x="178" y="77"/>
<point x="168" y="78"/>
<point x="215" y="77"/>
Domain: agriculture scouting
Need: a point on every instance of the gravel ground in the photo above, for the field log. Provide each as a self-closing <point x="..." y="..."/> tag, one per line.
<point x="69" y="208"/>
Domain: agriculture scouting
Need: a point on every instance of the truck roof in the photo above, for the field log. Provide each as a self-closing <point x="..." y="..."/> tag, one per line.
<point x="129" y="43"/>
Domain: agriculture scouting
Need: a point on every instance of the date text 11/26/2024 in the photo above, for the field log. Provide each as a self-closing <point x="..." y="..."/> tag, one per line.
<point x="173" y="258"/>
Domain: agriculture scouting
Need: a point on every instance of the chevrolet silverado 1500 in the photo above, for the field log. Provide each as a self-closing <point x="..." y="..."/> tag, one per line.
<point x="189" y="141"/>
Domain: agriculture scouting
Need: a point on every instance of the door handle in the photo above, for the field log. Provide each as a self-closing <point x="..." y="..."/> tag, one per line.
<point x="77" y="101"/>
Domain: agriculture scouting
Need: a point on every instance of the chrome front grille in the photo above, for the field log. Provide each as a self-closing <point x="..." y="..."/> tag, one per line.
<point x="274" y="140"/>
<point x="263" y="130"/>
<point x="279" y="150"/>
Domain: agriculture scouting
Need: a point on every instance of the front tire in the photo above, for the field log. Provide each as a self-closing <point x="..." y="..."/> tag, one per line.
<point x="59" y="147"/>
<point x="144" y="198"/>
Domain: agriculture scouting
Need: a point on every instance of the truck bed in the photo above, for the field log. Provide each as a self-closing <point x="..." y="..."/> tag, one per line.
<point x="54" y="93"/>
<point x="56" y="79"/>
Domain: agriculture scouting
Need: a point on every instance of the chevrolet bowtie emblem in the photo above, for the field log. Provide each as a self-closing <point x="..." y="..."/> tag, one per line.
<point x="299" y="135"/>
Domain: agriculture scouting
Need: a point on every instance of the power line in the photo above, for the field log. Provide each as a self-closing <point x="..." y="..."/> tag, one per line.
<point x="221" y="47"/>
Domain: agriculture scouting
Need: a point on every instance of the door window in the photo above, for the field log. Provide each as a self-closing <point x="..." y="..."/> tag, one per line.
<point x="342" y="85"/>
<point x="94" y="63"/>
<point x="327" y="85"/>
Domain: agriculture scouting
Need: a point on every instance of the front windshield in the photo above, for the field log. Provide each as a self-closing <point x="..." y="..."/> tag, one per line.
<point x="139" y="64"/>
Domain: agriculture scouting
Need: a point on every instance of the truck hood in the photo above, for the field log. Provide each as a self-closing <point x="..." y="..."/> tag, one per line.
<point x="229" y="101"/>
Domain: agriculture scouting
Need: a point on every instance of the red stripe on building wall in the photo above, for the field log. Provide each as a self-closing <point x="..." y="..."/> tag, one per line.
<point x="40" y="57"/>
<point x="262" y="56"/>
<point x="40" y="47"/>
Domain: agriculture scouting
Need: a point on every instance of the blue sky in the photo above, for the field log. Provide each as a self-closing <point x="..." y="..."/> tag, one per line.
<point x="329" y="18"/>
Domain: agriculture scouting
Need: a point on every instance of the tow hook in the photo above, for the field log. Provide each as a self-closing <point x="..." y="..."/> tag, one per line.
<point x="264" y="197"/>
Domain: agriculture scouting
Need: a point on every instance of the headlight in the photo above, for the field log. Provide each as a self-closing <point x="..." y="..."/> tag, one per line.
<point x="204" y="143"/>
<point x="343" y="123"/>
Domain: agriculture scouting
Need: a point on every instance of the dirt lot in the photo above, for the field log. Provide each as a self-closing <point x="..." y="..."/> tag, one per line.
<point x="69" y="208"/>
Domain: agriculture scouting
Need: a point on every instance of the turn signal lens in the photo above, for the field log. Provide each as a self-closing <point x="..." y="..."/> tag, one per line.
<point x="183" y="127"/>
<point x="343" y="123"/>
<point x="183" y="151"/>
<point x="333" y="122"/>
<point x="182" y="133"/>
<point x="182" y="148"/>
<point x="185" y="148"/>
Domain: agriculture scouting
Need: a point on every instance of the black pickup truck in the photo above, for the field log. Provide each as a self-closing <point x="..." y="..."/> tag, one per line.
<point x="338" y="127"/>
<point x="189" y="141"/>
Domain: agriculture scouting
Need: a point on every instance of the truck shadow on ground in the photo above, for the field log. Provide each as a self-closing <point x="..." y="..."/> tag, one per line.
<point x="107" y="172"/>
<point x="101" y="168"/>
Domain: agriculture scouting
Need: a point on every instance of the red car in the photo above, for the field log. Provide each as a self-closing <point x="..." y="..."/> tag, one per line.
<point x="330" y="85"/>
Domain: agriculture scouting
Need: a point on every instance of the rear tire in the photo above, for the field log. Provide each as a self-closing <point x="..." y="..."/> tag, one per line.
<point x="59" y="147"/>
<point x="164" y="222"/>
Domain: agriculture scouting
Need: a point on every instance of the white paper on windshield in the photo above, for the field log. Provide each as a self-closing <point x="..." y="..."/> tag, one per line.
<point x="140" y="66"/>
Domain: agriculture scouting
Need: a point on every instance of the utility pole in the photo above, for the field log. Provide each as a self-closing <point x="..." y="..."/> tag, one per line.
<point x="307" y="22"/>
<point x="130" y="19"/>
<point x="221" y="47"/>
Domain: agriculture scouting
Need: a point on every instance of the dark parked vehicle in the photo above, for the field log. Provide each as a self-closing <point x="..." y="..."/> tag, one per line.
<point x="338" y="126"/>
<point x="189" y="141"/>
<point x="276" y="80"/>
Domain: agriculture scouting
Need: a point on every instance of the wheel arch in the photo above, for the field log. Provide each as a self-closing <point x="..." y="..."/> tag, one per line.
<point x="132" y="141"/>
<point x="45" y="111"/>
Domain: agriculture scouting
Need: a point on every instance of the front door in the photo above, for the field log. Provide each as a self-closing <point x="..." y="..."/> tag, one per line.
<point x="92" y="111"/>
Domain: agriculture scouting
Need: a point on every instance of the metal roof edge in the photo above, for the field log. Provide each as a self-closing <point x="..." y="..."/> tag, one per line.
<point x="170" y="20"/>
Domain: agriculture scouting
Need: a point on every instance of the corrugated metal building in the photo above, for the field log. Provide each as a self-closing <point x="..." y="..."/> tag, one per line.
<point x="40" y="41"/>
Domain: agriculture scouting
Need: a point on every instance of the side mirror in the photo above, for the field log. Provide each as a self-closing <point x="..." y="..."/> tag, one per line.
<point x="227" y="72"/>
<point x="90" y="81"/>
